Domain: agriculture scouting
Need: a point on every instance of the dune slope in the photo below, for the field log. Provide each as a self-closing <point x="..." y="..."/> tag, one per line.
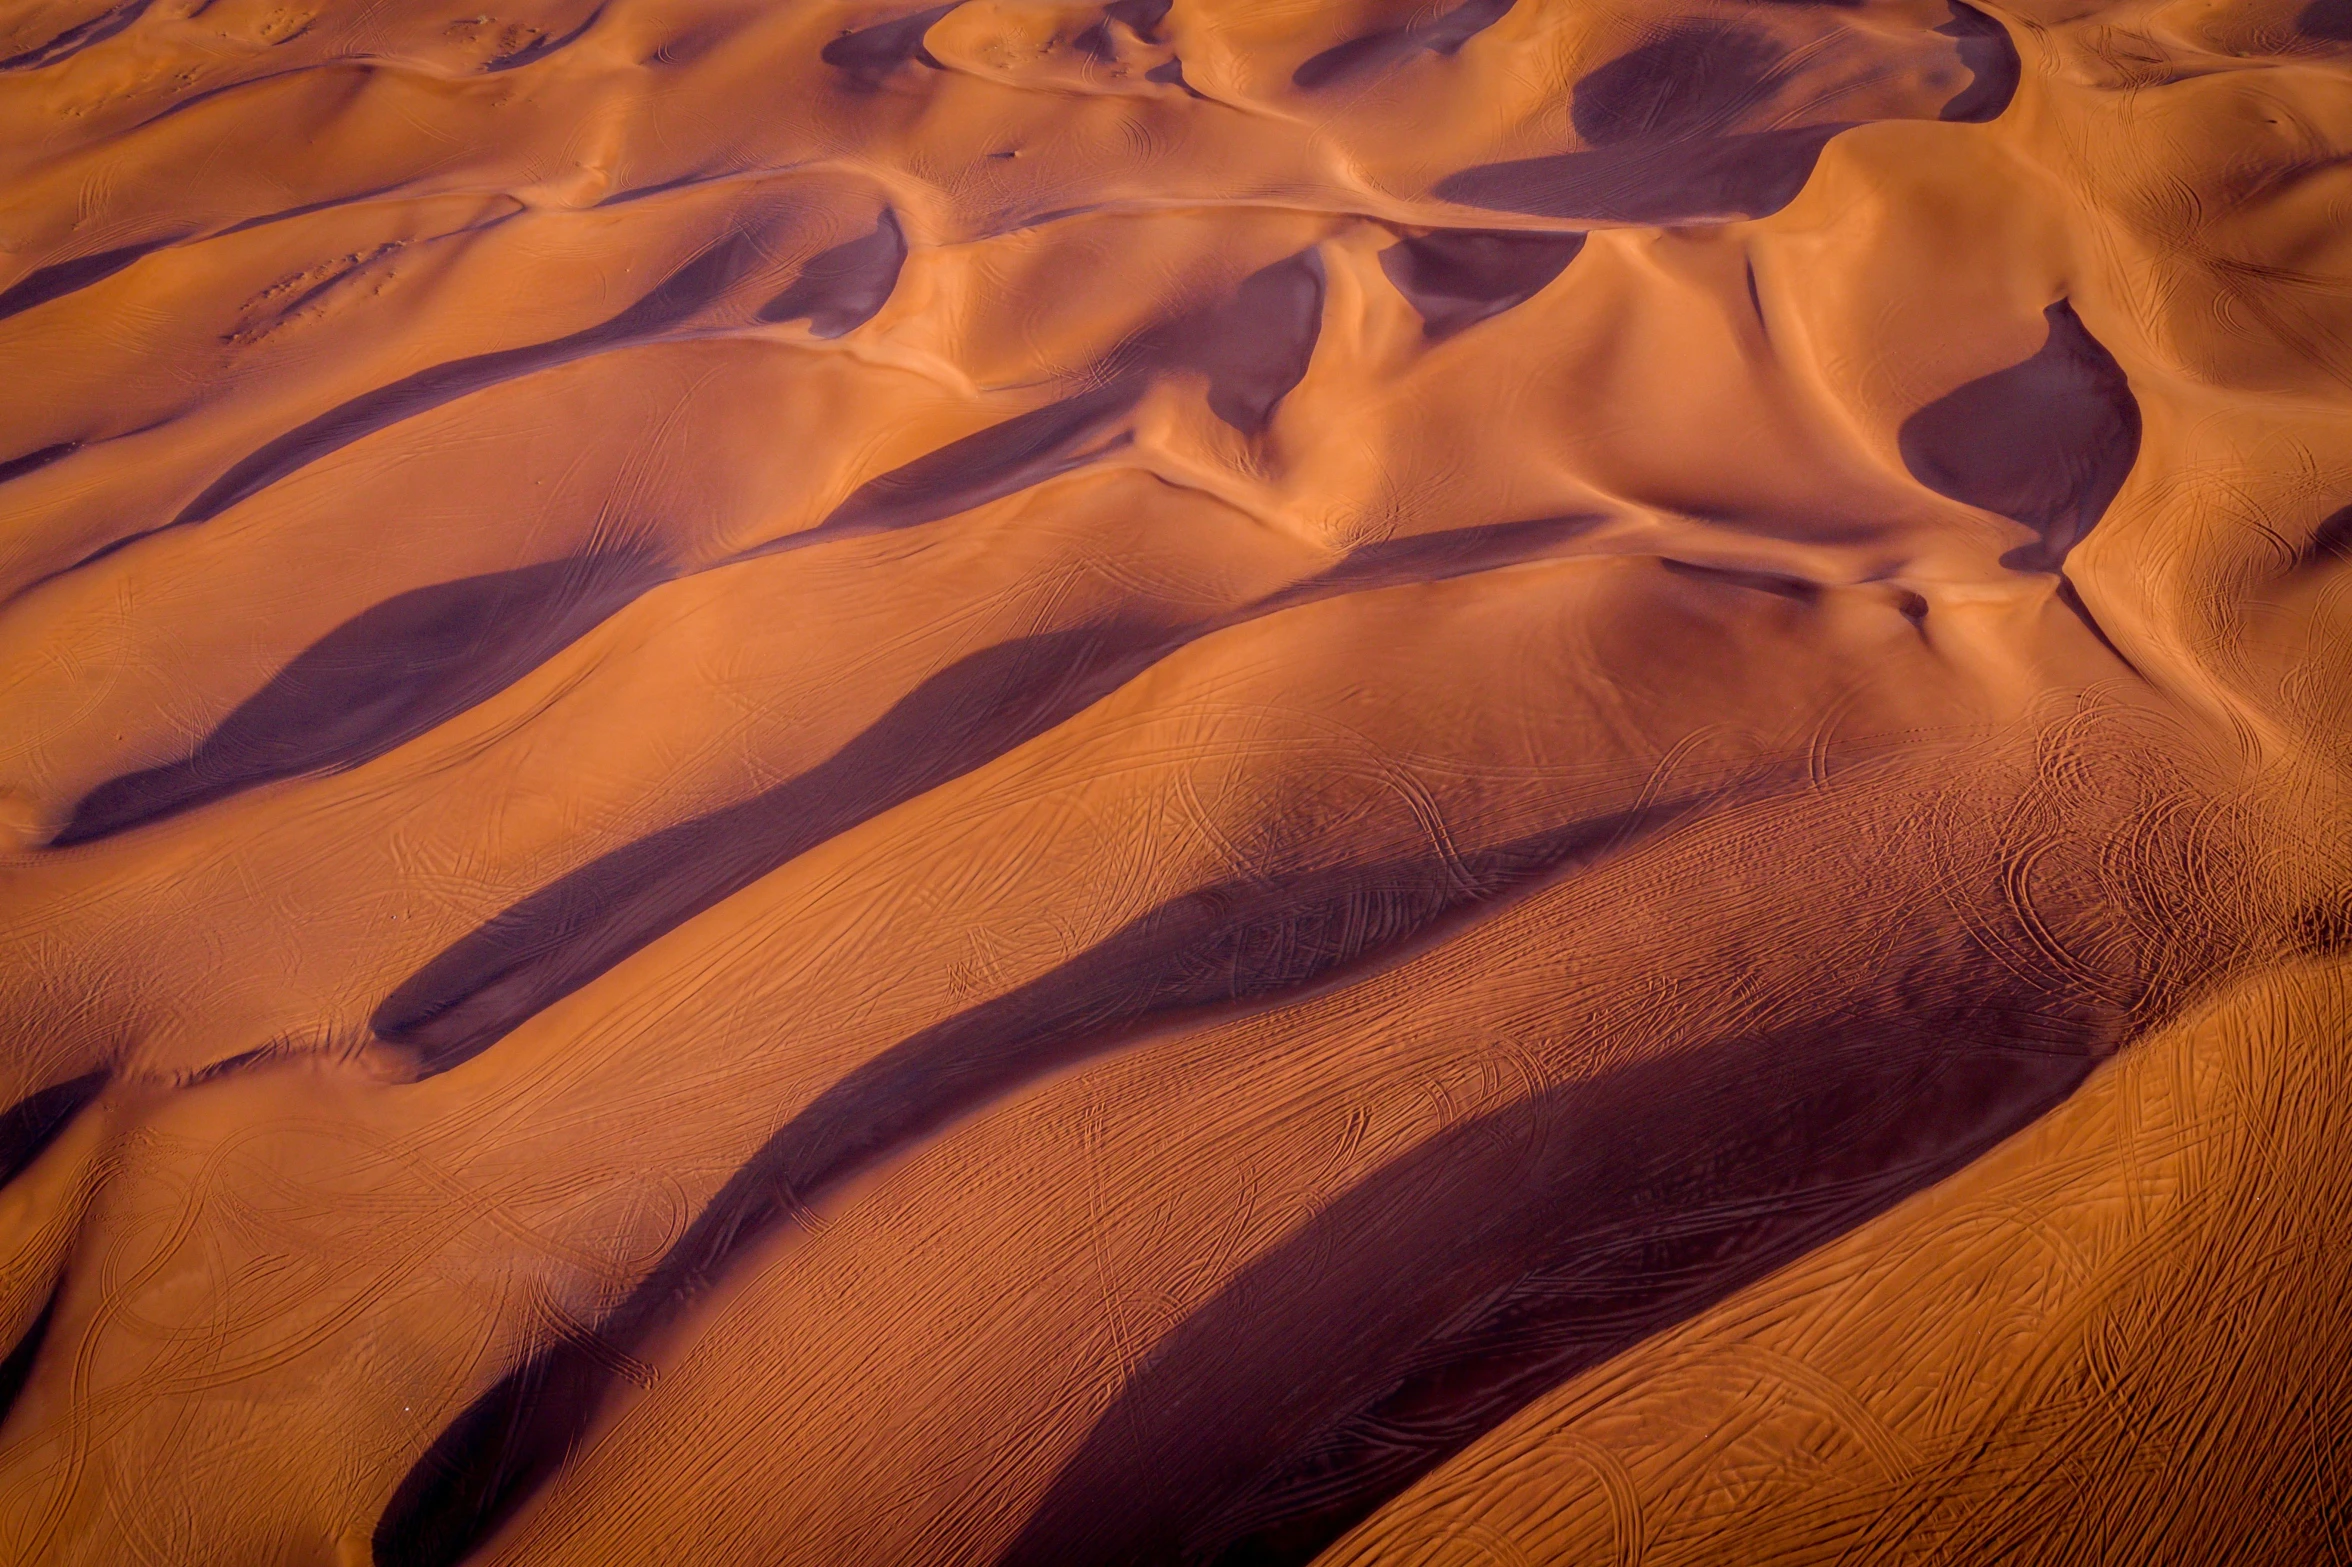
<point x="1047" y="782"/>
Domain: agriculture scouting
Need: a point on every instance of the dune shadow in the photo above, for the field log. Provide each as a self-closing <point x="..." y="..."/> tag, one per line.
<point x="34" y="461"/>
<point x="2327" y="20"/>
<point x="1434" y="557"/>
<point x="690" y="288"/>
<point x="1801" y="590"/>
<point x="1383" y="50"/>
<point x="1238" y="944"/>
<point x="1253" y="349"/>
<point x="867" y="55"/>
<point x="1693" y="78"/>
<point x="34" y="1122"/>
<point x="82" y="35"/>
<point x="1661" y="145"/>
<point x="380" y="679"/>
<point x="1994" y="67"/>
<point x="2330" y="541"/>
<point x="540" y="49"/>
<point x="837" y="291"/>
<point x="573" y="930"/>
<point x="1456" y="278"/>
<point x="2046" y="442"/>
<point x="1257" y="348"/>
<point x="27" y="1128"/>
<point x="1141" y="17"/>
<point x="576" y="928"/>
<point x="17" y="1369"/>
<point x="1466" y="1278"/>
<point x="841" y="289"/>
<point x="61" y="278"/>
<point x="1661" y="124"/>
<point x="1699" y="180"/>
<point x="1003" y="459"/>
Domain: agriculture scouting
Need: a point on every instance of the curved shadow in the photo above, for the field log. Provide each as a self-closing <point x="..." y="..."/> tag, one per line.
<point x="693" y="286"/>
<point x="869" y="54"/>
<point x="75" y="39"/>
<point x="533" y="52"/>
<point x="987" y="465"/>
<point x="1240" y="944"/>
<point x="1466" y="1278"/>
<point x="1253" y="349"/>
<point x="60" y="278"/>
<point x="1713" y="179"/>
<point x="2046" y="442"/>
<point x="1694" y="78"/>
<point x="35" y="461"/>
<point x="566" y="934"/>
<point x="31" y="1124"/>
<point x="1381" y="51"/>
<point x="17" y="1369"/>
<point x="576" y="928"/>
<point x="1802" y="590"/>
<point x="1659" y="123"/>
<point x="2330" y="541"/>
<point x="27" y="1129"/>
<point x="1457" y="278"/>
<point x="1142" y="17"/>
<point x="2327" y="20"/>
<point x="1257" y="347"/>
<point x="1429" y="557"/>
<point x="1986" y="48"/>
<point x="839" y="290"/>
<point x="377" y="681"/>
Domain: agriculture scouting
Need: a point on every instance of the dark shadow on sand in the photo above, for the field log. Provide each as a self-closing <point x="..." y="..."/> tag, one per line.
<point x="35" y="461"/>
<point x="568" y="933"/>
<point x="1465" y="1279"/>
<point x="1252" y="348"/>
<point x="2046" y="442"/>
<point x="1384" y="50"/>
<point x="1986" y="48"/>
<point x="1202" y="955"/>
<point x="17" y="1369"/>
<point x="377" y="681"/>
<point x="690" y="288"/>
<point x="1141" y="17"/>
<point x="840" y="289"/>
<point x="531" y="53"/>
<point x="61" y="278"/>
<point x="82" y="35"/>
<point x="2330" y="21"/>
<point x="1457" y="278"/>
<point x="869" y="54"/>
<point x="576" y="928"/>
<point x="31" y="1124"/>
<point x="1661" y="128"/>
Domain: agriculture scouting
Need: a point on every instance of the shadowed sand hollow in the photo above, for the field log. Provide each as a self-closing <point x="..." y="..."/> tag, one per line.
<point x="1175" y="781"/>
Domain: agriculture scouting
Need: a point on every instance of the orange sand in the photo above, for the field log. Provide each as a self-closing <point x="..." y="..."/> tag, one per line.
<point x="1245" y="781"/>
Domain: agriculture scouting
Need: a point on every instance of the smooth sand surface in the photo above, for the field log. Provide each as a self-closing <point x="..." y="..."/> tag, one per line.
<point x="1241" y="781"/>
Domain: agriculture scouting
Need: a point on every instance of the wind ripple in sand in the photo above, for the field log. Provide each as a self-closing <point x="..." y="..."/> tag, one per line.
<point x="1063" y="782"/>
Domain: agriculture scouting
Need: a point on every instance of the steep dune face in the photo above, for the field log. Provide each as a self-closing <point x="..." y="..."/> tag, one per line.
<point x="1180" y="780"/>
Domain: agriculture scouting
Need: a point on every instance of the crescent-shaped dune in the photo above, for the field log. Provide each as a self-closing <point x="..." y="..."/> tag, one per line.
<point x="1044" y="783"/>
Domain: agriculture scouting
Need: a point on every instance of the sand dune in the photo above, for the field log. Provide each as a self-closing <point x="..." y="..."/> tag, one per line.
<point x="1175" y="781"/>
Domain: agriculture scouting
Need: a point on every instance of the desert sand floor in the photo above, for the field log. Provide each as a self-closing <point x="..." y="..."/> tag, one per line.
<point x="1034" y="783"/>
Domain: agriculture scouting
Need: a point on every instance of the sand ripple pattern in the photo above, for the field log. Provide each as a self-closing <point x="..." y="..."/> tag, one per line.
<point x="1175" y="781"/>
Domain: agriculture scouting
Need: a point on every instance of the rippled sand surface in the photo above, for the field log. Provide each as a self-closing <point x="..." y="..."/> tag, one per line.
<point x="1558" y="781"/>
